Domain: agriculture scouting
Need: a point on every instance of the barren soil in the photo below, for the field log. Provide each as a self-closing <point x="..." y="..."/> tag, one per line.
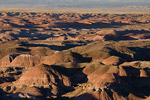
<point x="74" y="56"/>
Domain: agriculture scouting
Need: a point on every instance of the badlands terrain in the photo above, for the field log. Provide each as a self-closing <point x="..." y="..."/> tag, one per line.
<point x="74" y="56"/>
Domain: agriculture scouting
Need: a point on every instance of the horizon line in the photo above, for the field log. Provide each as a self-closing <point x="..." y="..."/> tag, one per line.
<point x="73" y="10"/>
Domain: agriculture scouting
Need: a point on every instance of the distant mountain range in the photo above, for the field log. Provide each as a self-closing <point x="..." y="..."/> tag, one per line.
<point x="73" y="3"/>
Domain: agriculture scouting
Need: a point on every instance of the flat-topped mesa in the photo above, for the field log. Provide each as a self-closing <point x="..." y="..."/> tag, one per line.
<point x="42" y="75"/>
<point x="26" y="60"/>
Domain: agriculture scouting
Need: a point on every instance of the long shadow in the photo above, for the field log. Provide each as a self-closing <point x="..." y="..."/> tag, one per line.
<point x="121" y="55"/>
<point x="3" y="31"/>
<point x="22" y="26"/>
<point x="139" y="86"/>
<point x="53" y="47"/>
<point x="77" y="25"/>
<point x="132" y="31"/>
<point x="120" y="35"/>
<point x="80" y="58"/>
<point x="132" y="83"/>
<point x="23" y="49"/>
<point x="118" y="38"/>
<point x="75" y="75"/>
<point x="60" y="85"/>
<point x="85" y="96"/>
<point x="69" y="72"/>
<point x="141" y="54"/>
<point x="6" y="79"/>
<point x="12" y="14"/>
<point x="28" y="24"/>
<point x="3" y="95"/>
<point x="25" y="33"/>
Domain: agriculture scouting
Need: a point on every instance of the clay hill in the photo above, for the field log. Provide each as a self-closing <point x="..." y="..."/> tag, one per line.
<point x="74" y="56"/>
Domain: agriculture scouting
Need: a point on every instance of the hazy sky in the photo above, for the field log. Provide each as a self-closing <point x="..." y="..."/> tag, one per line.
<point x="72" y="3"/>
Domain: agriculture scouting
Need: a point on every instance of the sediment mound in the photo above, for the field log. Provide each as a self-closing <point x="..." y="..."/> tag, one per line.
<point x="42" y="75"/>
<point x="26" y="60"/>
<point x="99" y="74"/>
<point x="5" y="61"/>
<point x="63" y="57"/>
<point x="113" y="60"/>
